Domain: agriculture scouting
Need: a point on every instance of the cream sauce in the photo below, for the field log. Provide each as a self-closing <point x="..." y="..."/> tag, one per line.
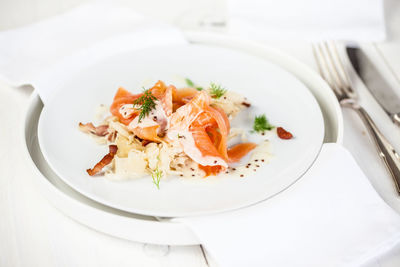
<point x="127" y="110"/>
<point x="259" y="156"/>
<point x="156" y="117"/>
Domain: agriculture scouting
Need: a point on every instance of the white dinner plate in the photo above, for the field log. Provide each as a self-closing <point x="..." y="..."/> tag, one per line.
<point x="270" y="89"/>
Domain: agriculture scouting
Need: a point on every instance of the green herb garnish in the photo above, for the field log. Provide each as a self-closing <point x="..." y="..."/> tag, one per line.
<point x="156" y="175"/>
<point x="216" y="90"/>
<point x="146" y="103"/>
<point x="190" y="83"/>
<point x="261" y="124"/>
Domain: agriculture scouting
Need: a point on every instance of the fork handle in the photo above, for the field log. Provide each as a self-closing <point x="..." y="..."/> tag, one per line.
<point x="385" y="149"/>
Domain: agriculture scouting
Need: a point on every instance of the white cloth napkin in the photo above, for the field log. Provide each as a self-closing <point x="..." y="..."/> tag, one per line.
<point x="352" y="20"/>
<point x="331" y="217"/>
<point x="38" y="54"/>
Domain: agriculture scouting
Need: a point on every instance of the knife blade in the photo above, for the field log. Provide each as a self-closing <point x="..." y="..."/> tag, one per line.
<point x="375" y="82"/>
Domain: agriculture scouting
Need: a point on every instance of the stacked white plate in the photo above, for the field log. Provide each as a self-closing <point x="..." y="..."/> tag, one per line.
<point x="120" y="211"/>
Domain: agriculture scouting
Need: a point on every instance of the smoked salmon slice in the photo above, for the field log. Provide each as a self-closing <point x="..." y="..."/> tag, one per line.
<point x="163" y="94"/>
<point x="166" y="100"/>
<point x="203" y="143"/>
<point x="211" y="170"/>
<point x="223" y="127"/>
<point x="212" y="118"/>
<point x="184" y="116"/>
<point x="209" y="127"/>
<point x="123" y="97"/>
<point x="158" y="90"/>
<point x="148" y="133"/>
<point x="183" y="96"/>
<point x="237" y="152"/>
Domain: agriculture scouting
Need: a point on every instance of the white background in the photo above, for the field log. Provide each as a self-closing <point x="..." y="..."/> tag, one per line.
<point x="34" y="233"/>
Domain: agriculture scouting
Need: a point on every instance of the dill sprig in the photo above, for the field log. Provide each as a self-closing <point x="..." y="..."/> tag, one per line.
<point x="216" y="90"/>
<point x="261" y="124"/>
<point x="191" y="84"/>
<point x="146" y="103"/>
<point x="156" y="175"/>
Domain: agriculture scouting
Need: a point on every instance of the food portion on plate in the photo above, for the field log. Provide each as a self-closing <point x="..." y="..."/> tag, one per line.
<point x="185" y="132"/>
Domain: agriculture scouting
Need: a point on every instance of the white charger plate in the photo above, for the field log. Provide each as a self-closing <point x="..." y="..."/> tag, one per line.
<point x="147" y="229"/>
<point x="271" y="89"/>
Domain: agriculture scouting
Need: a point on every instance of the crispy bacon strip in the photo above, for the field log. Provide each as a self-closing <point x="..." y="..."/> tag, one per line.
<point x="101" y="130"/>
<point x="112" y="136"/>
<point x="246" y="104"/>
<point x="104" y="161"/>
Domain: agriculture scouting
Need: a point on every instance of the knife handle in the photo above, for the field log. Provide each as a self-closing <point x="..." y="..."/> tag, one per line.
<point x="385" y="149"/>
<point x="396" y="118"/>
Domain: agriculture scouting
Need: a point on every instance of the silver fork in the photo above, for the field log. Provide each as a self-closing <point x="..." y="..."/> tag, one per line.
<point x="331" y="69"/>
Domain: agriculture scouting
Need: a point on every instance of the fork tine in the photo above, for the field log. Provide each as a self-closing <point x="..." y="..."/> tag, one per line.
<point x="318" y="60"/>
<point x="331" y="68"/>
<point x="324" y="67"/>
<point x="344" y="76"/>
<point x="334" y="67"/>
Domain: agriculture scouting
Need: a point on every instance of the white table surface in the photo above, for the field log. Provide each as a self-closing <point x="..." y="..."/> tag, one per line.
<point x="34" y="233"/>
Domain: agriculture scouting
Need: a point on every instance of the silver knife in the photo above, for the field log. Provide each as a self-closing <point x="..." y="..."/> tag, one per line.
<point x="376" y="84"/>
